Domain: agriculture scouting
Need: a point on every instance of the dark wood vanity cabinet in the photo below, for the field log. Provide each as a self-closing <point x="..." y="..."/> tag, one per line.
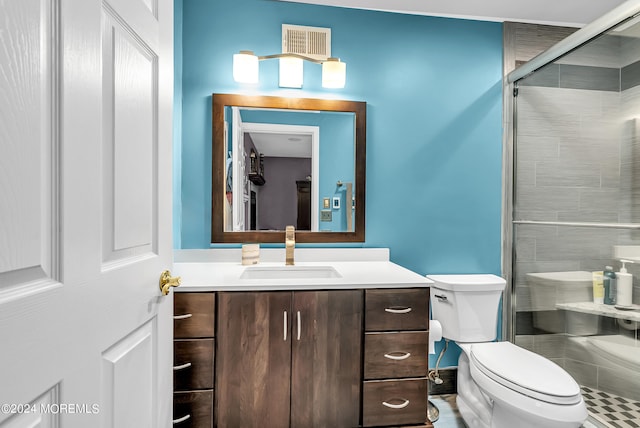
<point x="326" y="360"/>
<point x="253" y="364"/>
<point x="193" y="359"/>
<point x="396" y="346"/>
<point x="303" y="359"/>
<point x="289" y="359"/>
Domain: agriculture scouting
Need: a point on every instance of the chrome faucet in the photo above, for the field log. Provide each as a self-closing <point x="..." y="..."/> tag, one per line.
<point x="290" y="244"/>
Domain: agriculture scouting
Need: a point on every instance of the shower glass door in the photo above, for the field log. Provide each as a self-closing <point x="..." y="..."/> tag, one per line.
<point x="576" y="210"/>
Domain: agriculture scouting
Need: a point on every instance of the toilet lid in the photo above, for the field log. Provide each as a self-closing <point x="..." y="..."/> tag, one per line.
<point x="525" y="372"/>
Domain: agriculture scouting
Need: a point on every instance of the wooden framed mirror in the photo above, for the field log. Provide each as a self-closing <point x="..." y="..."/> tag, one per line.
<point x="279" y="161"/>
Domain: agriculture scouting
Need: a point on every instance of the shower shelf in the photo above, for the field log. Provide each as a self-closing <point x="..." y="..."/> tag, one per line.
<point x="604" y="310"/>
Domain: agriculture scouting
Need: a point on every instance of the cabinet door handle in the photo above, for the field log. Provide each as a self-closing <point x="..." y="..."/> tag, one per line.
<point x="285" y="325"/>
<point x="182" y="317"/>
<point x="397" y="310"/>
<point x="182" y="419"/>
<point x="398" y="357"/>
<point x="181" y="367"/>
<point x="299" y="325"/>
<point x="396" y="406"/>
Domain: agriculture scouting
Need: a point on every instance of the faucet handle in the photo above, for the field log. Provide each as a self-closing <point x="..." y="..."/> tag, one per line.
<point x="289" y="243"/>
<point x="289" y="233"/>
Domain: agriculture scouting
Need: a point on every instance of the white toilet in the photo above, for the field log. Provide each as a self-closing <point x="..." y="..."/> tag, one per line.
<point x="500" y="385"/>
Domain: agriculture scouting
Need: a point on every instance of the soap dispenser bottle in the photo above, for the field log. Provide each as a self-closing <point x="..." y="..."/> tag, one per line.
<point x="625" y="286"/>
<point x="609" y="282"/>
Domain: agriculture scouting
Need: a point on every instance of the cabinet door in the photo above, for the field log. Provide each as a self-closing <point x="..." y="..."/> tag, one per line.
<point x="326" y="358"/>
<point x="253" y="360"/>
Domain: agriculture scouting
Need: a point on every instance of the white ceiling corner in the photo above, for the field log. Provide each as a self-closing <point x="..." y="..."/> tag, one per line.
<point x="572" y="13"/>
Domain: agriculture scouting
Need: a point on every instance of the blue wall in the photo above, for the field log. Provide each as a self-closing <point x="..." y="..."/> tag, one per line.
<point x="434" y="121"/>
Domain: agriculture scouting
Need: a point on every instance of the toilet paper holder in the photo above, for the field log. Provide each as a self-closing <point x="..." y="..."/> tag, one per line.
<point x="435" y="334"/>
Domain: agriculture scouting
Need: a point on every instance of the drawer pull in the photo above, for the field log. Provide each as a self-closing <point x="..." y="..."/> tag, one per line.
<point x="396" y="406"/>
<point x="397" y="310"/>
<point x="181" y="367"/>
<point x="440" y="297"/>
<point x="285" y="325"/>
<point x="299" y="325"/>
<point x="182" y="317"/>
<point x="180" y="420"/>
<point x="398" y="357"/>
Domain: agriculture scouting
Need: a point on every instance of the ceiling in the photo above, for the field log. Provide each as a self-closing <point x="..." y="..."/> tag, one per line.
<point x="288" y="145"/>
<point x="571" y="13"/>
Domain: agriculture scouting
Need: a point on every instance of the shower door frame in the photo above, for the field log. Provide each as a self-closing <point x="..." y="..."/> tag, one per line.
<point x="625" y="12"/>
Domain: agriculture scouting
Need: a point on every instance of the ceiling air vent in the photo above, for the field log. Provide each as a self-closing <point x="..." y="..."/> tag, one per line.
<point x="314" y="42"/>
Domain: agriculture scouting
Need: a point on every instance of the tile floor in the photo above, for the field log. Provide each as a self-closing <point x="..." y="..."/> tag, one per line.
<point x="606" y="410"/>
<point x="449" y="415"/>
<point x="611" y="410"/>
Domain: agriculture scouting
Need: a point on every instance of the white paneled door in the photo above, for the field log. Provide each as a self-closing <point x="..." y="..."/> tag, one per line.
<point x="240" y="187"/>
<point x="85" y="222"/>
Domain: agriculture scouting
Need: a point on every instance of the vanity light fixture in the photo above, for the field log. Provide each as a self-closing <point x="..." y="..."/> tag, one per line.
<point x="291" y="72"/>
<point x="246" y="69"/>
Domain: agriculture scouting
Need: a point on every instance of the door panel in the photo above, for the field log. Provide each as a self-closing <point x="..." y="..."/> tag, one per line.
<point x="30" y="268"/>
<point x="82" y="321"/>
<point x="42" y="418"/>
<point x="129" y="380"/>
<point x="129" y="142"/>
<point x="29" y="148"/>
<point x="253" y="359"/>
<point x="133" y="142"/>
<point x="134" y="232"/>
<point x="326" y="358"/>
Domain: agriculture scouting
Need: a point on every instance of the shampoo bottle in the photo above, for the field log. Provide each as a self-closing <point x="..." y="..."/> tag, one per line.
<point x="609" y="281"/>
<point x="625" y="286"/>
<point x="598" y="287"/>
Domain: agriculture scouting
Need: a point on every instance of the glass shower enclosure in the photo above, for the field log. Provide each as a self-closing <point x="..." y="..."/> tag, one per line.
<point x="575" y="211"/>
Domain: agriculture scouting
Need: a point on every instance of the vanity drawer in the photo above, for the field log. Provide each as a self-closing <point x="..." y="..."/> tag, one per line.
<point x="193" y="315"/>
<point x="194" y="409"/>
<point x="394" y="402"/>
<point x="397" y="309"/>
<point x="193" y="364"/>
<point x="396" y="355"/>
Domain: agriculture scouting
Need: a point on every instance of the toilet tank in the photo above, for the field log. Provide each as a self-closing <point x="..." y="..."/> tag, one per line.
<point x="467" y="305"/>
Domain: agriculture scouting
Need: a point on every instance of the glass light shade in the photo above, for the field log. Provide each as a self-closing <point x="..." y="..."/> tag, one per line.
<point x="334" y="73"/>
<point x="291" y="72"/>
<point x="245" y="67"/>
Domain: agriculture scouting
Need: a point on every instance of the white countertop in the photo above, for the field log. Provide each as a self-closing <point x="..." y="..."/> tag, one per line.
<point x="203" y="270"/>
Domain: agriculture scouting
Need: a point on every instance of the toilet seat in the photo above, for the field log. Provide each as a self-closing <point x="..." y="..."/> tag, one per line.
<point x="524" y="372"/>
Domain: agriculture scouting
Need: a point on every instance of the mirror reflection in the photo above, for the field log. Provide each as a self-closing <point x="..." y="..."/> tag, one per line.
<point x="287" y="161"/>
<point x="291" y="168"/>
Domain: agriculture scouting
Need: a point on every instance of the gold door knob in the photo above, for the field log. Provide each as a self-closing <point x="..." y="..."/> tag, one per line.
<point x="167" y="281"/>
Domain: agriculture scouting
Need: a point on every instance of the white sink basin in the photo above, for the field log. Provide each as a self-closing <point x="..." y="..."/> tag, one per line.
<point x="289" y="272"/>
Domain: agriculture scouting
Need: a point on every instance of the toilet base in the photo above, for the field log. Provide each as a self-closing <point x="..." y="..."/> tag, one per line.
<point x="470" y="417"/>
<point x="480" y="411"/>
<point x="506" y="417"/>
<point x="474" y="407"/>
